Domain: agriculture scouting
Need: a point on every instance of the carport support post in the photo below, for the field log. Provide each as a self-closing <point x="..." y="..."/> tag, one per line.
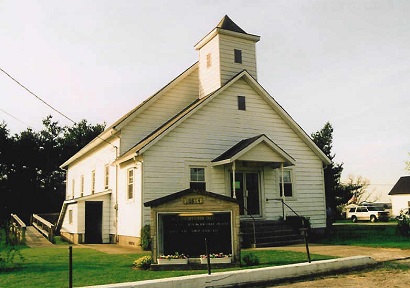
<point x="70" y="267"/>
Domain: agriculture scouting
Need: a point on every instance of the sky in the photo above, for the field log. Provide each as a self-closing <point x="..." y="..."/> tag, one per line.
<point x="346" y="62"/>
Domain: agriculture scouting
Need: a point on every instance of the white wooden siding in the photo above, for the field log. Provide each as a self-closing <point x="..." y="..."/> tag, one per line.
<point x="399" y="202"/>
<point x="96" y="160"/>
<point x="209" y="77"/>
<point x="228" y="66"/>
<point x="129" y="210"/>
<point x="218" y="126"/>
<point x="261" y="152"/>
<point x="159" y="111"/>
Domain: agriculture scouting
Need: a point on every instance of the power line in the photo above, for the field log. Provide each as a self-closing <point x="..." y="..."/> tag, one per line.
<point x="44" y="102"/>
<point x="32" y="93"/>
<point x="5" y="112"/>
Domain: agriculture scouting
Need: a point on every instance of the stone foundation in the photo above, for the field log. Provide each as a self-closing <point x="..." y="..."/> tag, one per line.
<point x="129" y="241"/>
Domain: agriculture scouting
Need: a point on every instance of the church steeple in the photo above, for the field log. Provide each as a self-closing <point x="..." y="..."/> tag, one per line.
<point x="223" y="53"/>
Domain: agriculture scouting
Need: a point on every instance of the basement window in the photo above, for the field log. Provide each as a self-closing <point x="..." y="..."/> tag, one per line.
<point x="238" y="55"/>
<point x="241" y="103"/>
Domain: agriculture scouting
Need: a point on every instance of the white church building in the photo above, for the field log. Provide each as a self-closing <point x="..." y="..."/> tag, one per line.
<point x="213" y="128"/>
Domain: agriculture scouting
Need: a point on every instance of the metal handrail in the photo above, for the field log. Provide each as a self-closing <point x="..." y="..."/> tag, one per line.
<point x="303" y="230"/>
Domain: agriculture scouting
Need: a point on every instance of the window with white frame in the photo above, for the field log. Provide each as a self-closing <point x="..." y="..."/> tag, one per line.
<point x="93" y="182"/>
<point x="287" y="183"/>
<point x="70" y="216"/>
<point x="106" y="176"/>
<point x="197" y="178"/>
<point x="130" y="183"/>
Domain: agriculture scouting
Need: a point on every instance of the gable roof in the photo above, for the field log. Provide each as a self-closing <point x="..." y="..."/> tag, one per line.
<point x="401" y="187"/>
<point x="177" y="195"/>
<point x="163" y="130"/>
<point x="124" y="120"/>
<point x="245" y="145"/>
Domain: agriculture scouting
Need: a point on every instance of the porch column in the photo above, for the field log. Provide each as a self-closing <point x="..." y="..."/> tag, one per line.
<point x="283" y="192"/>
<point x="233" y="179"/>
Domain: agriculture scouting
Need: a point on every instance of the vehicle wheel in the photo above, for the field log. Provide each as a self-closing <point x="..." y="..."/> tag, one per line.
<point x="373" y="219"/>
<point x="354" y="219"/>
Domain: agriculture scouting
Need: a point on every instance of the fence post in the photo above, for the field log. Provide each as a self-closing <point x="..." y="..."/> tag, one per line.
<point x="208" y="260"/>
<point x="70" y="267"/>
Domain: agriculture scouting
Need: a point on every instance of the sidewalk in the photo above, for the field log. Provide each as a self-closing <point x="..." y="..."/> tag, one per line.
<point x="378" y="254"/>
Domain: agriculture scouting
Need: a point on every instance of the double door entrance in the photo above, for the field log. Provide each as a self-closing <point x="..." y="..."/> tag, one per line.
<point x="246" y="192"/>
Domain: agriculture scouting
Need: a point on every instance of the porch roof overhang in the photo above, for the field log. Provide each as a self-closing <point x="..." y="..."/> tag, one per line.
<point x="87" y="197"/>
<point x="256" y="149"/>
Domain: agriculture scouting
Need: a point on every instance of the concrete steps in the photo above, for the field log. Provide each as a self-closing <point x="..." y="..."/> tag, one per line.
<point x="268" y="233"/>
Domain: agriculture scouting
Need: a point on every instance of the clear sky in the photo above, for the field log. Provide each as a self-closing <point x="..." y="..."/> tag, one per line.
<point x="342" y="61"/>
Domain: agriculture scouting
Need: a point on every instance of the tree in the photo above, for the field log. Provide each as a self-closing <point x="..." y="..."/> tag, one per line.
<point x="355" y="190"/>
<point x="408" y="165"/>
<point x="332" y="173"/>
<point x="30" y="178"/>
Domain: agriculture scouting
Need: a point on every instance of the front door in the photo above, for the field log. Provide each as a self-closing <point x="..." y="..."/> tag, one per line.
<point x="93" y="222"/>
<point x="247" y="192"/>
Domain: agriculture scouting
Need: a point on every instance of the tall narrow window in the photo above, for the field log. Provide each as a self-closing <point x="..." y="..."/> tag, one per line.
<point x="197" y="179"/>
<point x="70" y="216"/>
<point x="241" y="103"/>
<point x="238" y="55"/>
<point x="130" y="183"/>
<point x="287" y="183"/>
<point x="93" y="182"/>
<point x="82" y="186"/>
<point x="72" y="188"/>
<point x="107" y="176"/>
<point x="208" y="60"/>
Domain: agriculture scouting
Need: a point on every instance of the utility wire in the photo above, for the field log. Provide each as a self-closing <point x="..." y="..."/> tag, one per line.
<point x="62" y="114"/>
<point x="32" y="93"/>
<point x="7" y="113"/>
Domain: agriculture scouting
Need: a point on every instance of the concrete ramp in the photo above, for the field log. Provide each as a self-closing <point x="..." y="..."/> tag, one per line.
<point x="36" y="239"/>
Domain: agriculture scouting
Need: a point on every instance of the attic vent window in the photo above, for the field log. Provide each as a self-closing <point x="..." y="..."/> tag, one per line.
<point x="208" y="60"/>
<point x="238" y="55"/>
<point x="241" y="103"/>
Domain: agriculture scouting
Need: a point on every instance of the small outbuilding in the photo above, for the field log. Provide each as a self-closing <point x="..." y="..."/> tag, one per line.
<point x="400" y="195"/>
<point x="180" y="223"/>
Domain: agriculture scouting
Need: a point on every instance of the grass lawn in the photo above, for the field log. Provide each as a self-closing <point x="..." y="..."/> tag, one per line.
<point x="366" y="234"/>
<point x="48" y="267"/>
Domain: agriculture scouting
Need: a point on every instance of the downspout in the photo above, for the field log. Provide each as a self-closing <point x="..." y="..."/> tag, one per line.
<point x="142" y="196"/>
<point x="116" y="197"/>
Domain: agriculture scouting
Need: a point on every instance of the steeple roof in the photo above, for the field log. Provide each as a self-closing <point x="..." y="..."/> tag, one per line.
<point x="227" y="24"/>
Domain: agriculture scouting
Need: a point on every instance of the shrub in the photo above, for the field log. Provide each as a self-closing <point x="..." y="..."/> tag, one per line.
<point x="403" y="225"/>
<point x="10" y="257"/>
<point x="143" y="262"/>
<point x="251" y="259"/>
<point x="146" y="238"/>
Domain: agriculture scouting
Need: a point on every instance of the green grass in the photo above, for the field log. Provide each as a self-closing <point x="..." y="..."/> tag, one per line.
<point x="48" y="267"/>
<point x="364" y="234"/>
